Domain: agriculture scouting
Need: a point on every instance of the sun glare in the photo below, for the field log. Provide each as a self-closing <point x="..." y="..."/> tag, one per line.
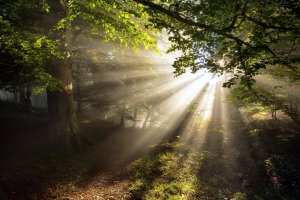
<point x="221" y="62"/>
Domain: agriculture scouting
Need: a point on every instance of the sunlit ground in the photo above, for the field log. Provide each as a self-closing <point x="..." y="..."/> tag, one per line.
<point x="199" y="146"/>
<point x="203" y="126"/>
<point x="195" y="105"/>
<point x="210" y="154"/>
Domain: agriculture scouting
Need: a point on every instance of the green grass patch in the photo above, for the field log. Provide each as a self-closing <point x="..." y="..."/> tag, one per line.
<point x="166" y="175"/>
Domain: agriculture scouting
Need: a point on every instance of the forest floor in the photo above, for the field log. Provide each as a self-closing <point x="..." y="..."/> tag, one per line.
<point x="228" y="160"/>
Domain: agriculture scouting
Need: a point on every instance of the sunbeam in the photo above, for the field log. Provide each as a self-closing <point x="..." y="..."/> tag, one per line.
<point x="140" y="99"/>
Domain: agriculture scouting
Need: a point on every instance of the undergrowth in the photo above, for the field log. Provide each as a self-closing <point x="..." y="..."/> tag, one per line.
<point x="55" y="174"/>
<point x="166" y="175"/>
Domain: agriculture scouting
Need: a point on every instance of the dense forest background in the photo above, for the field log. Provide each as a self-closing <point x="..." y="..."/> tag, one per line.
<point x="140" y="99"/>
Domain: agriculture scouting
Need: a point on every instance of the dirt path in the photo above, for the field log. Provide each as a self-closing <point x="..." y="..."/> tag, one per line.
<point x="232" y="161"/>
<point x="30" y="170"/>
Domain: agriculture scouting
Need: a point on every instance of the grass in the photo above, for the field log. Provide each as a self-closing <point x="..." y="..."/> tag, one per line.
<point x="176" y="175"/>
<point x="255" y="163"/>
<point x="251" y="162"/>
<point x="166" y="175"/>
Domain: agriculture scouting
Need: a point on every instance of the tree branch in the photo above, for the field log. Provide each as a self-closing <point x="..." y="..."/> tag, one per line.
<point x="200" y="25"/>
<point x="255" y="21"/>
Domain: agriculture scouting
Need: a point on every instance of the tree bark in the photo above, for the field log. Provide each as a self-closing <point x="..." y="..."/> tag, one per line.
<point x="16" y="97"/>
<point x="27" y="96"/>
<point x="147" y="118"/>
<point x="135" y="113"/>
<point x="123" y="110"/>
<point x="63" y="125"/>
<point x="78" y="89"/>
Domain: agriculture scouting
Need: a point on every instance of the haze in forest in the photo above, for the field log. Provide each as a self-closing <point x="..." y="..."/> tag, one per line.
<point x="140" y="99"/>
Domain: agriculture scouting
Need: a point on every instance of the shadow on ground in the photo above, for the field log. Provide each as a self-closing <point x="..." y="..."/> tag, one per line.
<point x="242" y="161"/>
<point x="230" y="160"/>
<point x="30" y="169"/>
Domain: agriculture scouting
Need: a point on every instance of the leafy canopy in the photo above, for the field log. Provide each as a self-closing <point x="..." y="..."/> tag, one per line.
<point x="25" y="48"/>
<point x="246" y="35"/>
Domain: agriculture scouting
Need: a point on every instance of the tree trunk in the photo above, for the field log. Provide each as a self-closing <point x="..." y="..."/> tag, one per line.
<point x="27" y="96"/>
<point x="62" y="120"/>
<point x="78" y="90"/>
<point x="147" y="118"/>
<point x="135" y="112"/>
<point x="16" y="97"/>
<point x="22" y="94"/>
<point x="63" y="125"/>
<point x="123" y="110"/>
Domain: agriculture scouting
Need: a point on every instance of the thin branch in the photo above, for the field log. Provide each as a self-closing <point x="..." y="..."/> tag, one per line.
<point x="240" y="56"/>
<point x="143" y="104"/>
<point x="292" y="68"/>
<point x="293" y="46"/>
<point x="201" y="25"/>
<point x="231" y="26"/>
<point x="255" y="21"/>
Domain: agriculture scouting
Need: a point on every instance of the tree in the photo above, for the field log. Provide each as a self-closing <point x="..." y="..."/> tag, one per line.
<point x="117" y="24"/>
<point x="62" y="121"/>
<point x="239" y="37"/>
<point x="33" y="49"/>
<point x="24" y="47"/>
<point x="246" y="35"/>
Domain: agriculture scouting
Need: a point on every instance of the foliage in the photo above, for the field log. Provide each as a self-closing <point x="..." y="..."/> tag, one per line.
<point x="256" y="97"/>
<point x="204" y="32"/>
<point x="255" y="163"/>
<point x="246" y="35"/>
<point x="24" y="47"/>
<point x="110" y="20"/>
<point x="167" y="175"/>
